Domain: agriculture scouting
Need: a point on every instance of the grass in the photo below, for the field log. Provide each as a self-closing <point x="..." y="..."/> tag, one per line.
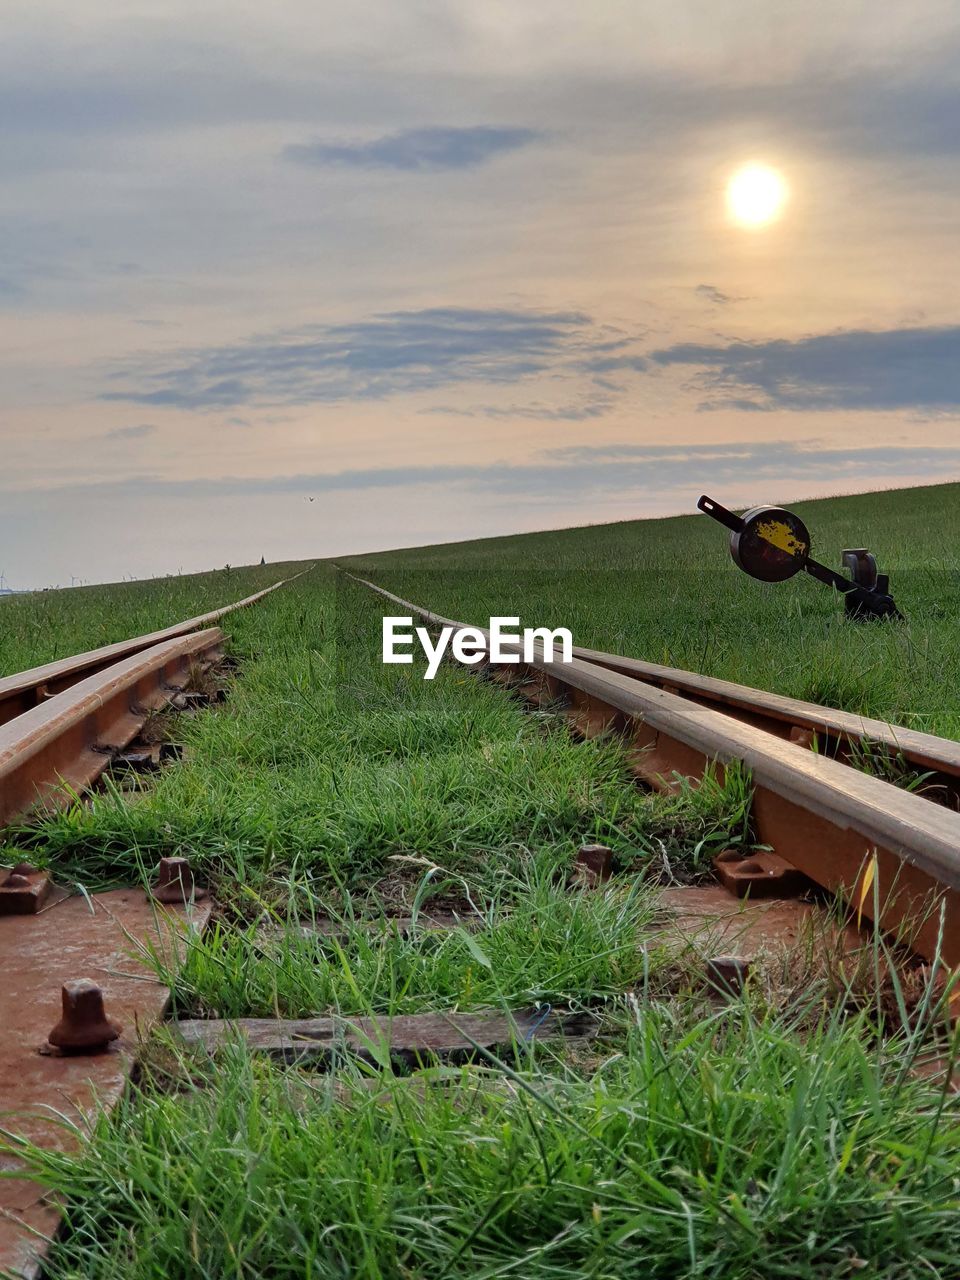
<point x="666" y="590"/>
<point x="534" y="942"/>
<point x="45" y="625"/>
<point x="326" y="763"/>
<point x="717" y="1145"/>
<point x="693" y="1141"/>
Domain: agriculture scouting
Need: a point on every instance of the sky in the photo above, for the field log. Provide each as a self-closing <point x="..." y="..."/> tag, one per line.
<point x="309" y="279"/>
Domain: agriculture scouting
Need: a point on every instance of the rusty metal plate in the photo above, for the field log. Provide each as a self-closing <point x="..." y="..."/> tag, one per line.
<point x="708" y="914"/>
<point x="23" y="890"/>
<point x="759" y="875"/>
<point x="75" y="938"/>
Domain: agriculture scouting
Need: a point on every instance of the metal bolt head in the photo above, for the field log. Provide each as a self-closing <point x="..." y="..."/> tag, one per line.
<point x="727" y="974"/>
<point x="175" y="883"/>
<point x="84" y="1027"/>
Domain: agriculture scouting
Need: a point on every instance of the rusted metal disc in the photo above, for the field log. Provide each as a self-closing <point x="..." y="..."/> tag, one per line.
<point x="772" y="545"/>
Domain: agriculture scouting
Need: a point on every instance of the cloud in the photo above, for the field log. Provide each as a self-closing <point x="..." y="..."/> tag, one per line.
<point x="734" y="404"/>
<point x="387" y="355"/>
<point x="612" y="364"/>
<point x="530" y="412"/>
<point x="404" y="352"/>
<point x="137" y="432"/>
<point x="418" y="149"/>
<point x="580" y="470"/>
<point x="852" y="369"/>
<point x="711" y="293"/>
<point x="902" y="103"/>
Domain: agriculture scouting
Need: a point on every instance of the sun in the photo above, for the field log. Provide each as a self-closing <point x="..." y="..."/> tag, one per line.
<point x="756" y="195"/>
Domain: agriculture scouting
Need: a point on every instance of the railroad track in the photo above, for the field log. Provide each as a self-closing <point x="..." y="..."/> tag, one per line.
<point x="61" y="726"/>
<point x="893" y="853"/>
<point x="28" y="689"/>
<point x="890" y="852"/>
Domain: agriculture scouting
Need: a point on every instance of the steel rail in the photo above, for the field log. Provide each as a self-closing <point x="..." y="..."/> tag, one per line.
<point x="890" y="852"/>
<point x="27" y="689"/>
<point x="61" y="747"/>
<point x="837" y="732"/>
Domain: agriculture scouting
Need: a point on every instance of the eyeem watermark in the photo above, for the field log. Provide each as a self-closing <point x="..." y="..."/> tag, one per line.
<point x="469" y="645"/>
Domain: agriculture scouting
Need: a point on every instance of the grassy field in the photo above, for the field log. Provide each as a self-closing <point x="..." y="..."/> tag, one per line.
<point x="667" y="591"/>
<point x="46" y="625"/>
<point x="688" y="1140"/>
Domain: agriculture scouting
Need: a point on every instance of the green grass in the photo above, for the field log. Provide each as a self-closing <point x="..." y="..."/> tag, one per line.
<point x="45" y="625"/>
<point x="667" y="591"/>
<point x="742" y="1142"/>
<point x="324" y="762"/>
<point x="534" y="942"/>
<point x="691" y="1145"/>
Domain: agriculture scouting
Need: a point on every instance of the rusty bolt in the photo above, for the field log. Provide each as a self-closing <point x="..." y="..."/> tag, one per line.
<point x="175" y="882"/>
<point x="84" y="1027"/>
<point x="727" y="974"/>
<point x="594" y="863"/>
<point x="16" y="880"/>
<point x="24" y="869"/>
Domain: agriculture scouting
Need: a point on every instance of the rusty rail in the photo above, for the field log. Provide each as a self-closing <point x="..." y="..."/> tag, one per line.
<point x="838" y="733"/>
<point x="62" y="746"/>
<point x="28" y="689"/>
<point x="841" y="734"/>
<point x="890" y="852"/>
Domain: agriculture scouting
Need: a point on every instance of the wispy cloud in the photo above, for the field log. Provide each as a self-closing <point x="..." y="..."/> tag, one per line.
<point x="584" y="470"/>
<point x="626" y="362"/>
<point x="855" y="369"/>
<point x="735" y="404"/>
<point x="890" y="105"/>
<point x="405" y="352"/>
<point x="137" y="431"/>
<point x="418" y="149"/>
<point x="710" y="293"/>
<point x="529" y="412"/>
<point x="402" y="351"/>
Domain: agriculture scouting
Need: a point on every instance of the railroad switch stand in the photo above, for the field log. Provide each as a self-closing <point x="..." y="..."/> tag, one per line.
<point x="772" y="545"/>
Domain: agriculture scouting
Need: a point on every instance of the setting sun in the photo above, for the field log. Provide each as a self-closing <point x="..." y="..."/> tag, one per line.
<point x="756" y="195"/>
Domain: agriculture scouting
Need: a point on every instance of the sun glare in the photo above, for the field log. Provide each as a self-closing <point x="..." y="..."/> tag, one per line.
<point x="756" y="195"/>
